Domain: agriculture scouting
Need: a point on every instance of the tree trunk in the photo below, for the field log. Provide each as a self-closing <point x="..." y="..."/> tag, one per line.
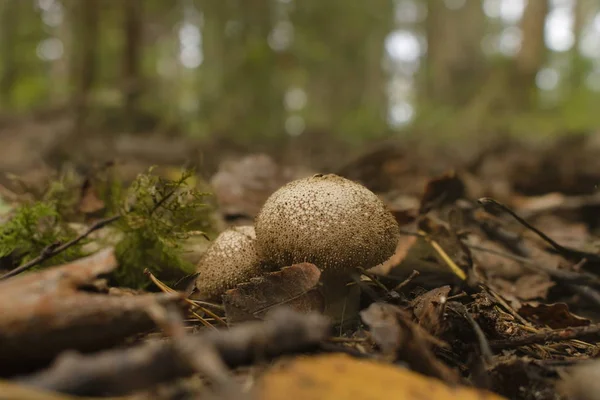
<point x="85" y="25"/>
<point x="455" y="64"/>
<point x="532" y="55"/>
<point x="132" y="32"/>
<point x="9" y="16"/>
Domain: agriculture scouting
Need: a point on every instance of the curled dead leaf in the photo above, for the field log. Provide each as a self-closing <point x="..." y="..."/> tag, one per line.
<point x="556" y="315"/>
<point x="400" y="338"/>
<point x="442" y="190"/>
<point x="429" y="307"/>
<point x="294" y="286"/>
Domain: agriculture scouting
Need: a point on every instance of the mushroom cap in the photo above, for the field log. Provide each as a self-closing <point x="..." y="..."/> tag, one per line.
<point x="231" y="259"/>
<point x="327" y="220"/>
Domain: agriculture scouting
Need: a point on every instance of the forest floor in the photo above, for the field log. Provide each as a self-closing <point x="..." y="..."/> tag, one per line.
<point x="493" y="291"/>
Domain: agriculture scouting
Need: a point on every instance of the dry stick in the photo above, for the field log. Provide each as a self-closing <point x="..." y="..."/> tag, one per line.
<point x="487" y="202"/>
<point x="54" y="249"/>
<point x="405" y="282"/>
<point x="578" y="282"/>
<point x="121" y="371"/>
<point x="484" y="345"/>
<point x="202" y="359"/>
<point x="441" y="252"/>
<point x="556" y="335"/>
<point x="373" y="278"/>
<point x="561" y="275"/>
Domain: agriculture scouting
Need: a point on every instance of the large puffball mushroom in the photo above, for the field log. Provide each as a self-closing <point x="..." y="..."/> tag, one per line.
<point x="326" y="220"/>
<point x="332" y="222"/>
<point x="231" y="259"/>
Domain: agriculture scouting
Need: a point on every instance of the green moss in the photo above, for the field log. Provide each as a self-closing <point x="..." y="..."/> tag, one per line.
<point x="32" y="228"/>
<point x="157" y="215"/>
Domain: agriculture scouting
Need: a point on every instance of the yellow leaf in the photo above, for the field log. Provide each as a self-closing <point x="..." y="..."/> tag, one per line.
<point x="339" y="376"/>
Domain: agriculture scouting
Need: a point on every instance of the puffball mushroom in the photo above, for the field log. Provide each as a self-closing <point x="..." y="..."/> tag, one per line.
<point x="332" y="222"/>
<point x="326" y="220"/>
<point x="231" y="259"/>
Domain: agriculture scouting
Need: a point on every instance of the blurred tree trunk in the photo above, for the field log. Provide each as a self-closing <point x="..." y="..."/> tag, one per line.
<point x="85" y="26"/>
<point x="584" y="11"/>
<point x="132" y="32"/>
<point x="241" y="92"/>
<point x="9" y="17"/>
<point x="532" y="55"/>
<point x="339" y="47"/>
<point x="455" y="63"/>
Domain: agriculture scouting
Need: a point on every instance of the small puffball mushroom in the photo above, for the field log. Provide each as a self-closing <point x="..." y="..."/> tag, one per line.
<point x="334" y="223"/>
<point x="231" y="259"/>
<point x="326" y="220"/>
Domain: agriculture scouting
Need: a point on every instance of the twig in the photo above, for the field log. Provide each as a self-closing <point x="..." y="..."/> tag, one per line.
<point x="565" y="276"/>
<point x="122" y="371"/>
<point x="492" y="293"/>
<point x="578" y="282"/>
<point x="55" y="248"/>
<point x="373" y="278"/>
<point x="405" y="282"/>
<point x="565" y="251"/>
<point x="449" y="262"/>
<point x="557" y="335"/>
<point x="167" y="289"/>
<point x="201" y="359"/>
<point x="484" y="345"/>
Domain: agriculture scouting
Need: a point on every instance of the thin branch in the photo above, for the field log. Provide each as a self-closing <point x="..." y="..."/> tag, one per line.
<point x="405" y="282"/>
<point x="557" y="335"/>
<point x="484" y="345"/>
<point x="55" y="248"/>
<point x="565" y="276"/>
<point x="488" y="202"/>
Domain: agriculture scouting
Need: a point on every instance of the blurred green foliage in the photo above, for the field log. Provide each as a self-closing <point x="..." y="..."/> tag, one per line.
<point x="231" y="71"/>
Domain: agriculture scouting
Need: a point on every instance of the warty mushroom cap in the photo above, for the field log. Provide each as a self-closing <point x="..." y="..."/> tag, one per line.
<point x="231" y="259"/>
<point x="327" y="220"/>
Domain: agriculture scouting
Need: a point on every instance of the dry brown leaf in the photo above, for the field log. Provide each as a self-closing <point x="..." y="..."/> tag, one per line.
<point x="445" y="189"/>
<point x="429" y="309"/>
<point x="294" y="286"/>
<point x="63" y="278"/>
<point x="43" y="313"/>
<point x="556" y="316"/>
<point x="400" y="338"/>
<point x="89" y="201"/>
<point x="581" y="382"/>
<point x="339" y="376"/>
<point x="243" y="185"/>
<point x="415" y="253"/>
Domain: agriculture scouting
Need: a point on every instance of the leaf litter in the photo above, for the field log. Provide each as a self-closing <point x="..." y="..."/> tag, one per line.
<point x="492" y="292"/>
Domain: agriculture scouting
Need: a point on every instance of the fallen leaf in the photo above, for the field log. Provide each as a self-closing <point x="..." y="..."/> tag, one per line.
<point x="43" y="313"/>
<point x="556" y="316"/>
<point x="340" y="376"/>
<point x="89" y="201"/>
<point x="525" y="288"/>
<point x="384" y="327"/>
<point x="428" y="308"/>
<point x="415" y="253"/>
<point x="581" y="382"/>
<point x="520" y="378"/>
<point x="442" y="190"/>
<point x="242" y="186"/>
<point x="401" y="339"/>
<point x="294" y="286"/>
